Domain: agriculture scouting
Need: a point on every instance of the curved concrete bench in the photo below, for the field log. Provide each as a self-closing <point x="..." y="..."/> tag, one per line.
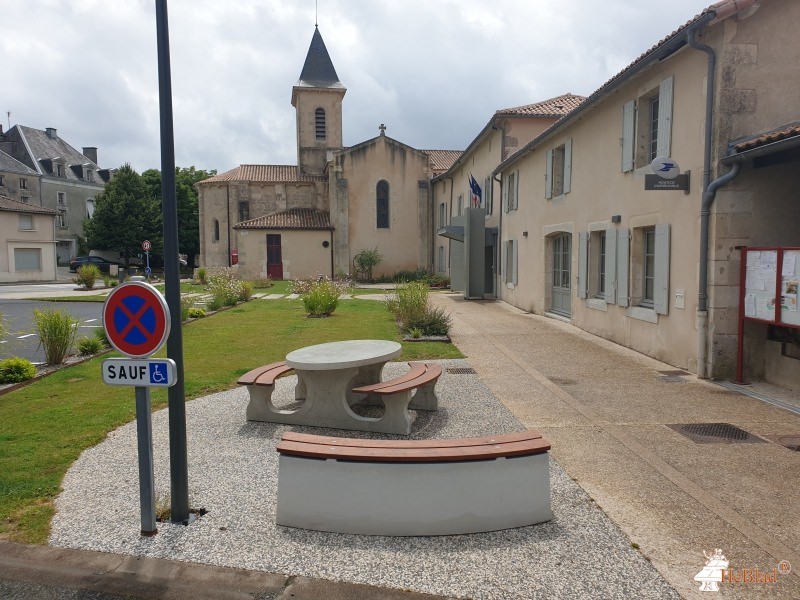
<point x="413" y="487"/>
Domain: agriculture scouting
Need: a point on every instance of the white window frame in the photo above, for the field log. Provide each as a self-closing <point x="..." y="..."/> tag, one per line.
<point x="442" y="214"/>
<point x="61" y="219"/>
<point x="61" y="198"/>
<point x="23" y="183"/>
<point x="440" y="259"/>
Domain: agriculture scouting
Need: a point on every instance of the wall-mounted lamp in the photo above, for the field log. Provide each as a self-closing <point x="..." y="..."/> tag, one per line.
<point x="616" y="219"/>
<point x="524" y="234"/>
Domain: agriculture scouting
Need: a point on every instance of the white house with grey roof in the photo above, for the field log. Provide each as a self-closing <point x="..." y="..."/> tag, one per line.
<point x="27" y="241"/>
<point x="68" y="180"/>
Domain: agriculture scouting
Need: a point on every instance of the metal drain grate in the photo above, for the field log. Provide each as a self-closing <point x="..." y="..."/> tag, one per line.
<point x="791" y="442"/>
<point x="461" y="370"/>
<point x="710" y="433"/>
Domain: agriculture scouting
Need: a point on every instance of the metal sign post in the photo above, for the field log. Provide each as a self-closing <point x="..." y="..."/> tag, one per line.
<point x="137" y="320"/>
<point x="144" y="438"/>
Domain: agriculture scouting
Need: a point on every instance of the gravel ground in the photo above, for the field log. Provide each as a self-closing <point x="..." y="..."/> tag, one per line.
<point x="233" y="471"/>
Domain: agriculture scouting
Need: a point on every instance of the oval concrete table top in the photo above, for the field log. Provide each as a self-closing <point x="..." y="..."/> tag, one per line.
<point x="342" y="355"/>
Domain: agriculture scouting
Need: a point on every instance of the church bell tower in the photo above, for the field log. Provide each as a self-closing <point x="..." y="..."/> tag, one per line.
<point x="317" y="99"/>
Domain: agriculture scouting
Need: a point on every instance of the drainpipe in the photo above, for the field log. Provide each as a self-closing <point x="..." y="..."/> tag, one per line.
<point x="709" y="193"/>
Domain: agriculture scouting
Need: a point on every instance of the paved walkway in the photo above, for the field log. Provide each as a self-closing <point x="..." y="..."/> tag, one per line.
<point x="611" y="415"/>
<point x="608" y="412"/>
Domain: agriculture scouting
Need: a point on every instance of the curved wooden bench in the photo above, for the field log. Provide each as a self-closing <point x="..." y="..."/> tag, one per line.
<point x="395" y="394"/>
<point x="413" y="487"/>
<point x="260" y="384"/>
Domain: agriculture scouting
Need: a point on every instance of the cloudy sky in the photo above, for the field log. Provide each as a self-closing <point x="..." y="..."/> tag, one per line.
<point x="434" y="71"/>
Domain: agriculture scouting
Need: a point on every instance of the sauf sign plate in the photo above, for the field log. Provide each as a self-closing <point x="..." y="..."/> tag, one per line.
<point x="151" y="372"/>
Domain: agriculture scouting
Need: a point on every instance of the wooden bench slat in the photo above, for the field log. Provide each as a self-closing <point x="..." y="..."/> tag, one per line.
<point x="431" y="374"/>
<point x="307" y="438"/>
<point x="415" y="455"/>
<point x="416" y="370"/>
<point x="264" y="375"/>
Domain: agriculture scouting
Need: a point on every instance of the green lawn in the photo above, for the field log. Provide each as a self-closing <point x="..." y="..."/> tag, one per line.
<point x="44" y="426"/>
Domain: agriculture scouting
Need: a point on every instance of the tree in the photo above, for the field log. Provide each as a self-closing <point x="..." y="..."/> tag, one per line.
<point x="125" y="215"/>
<point x="188" y="212"/>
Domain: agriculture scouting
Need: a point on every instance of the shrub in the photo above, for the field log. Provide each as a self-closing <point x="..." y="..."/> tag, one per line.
<point x="409" y="301"/>
<point x="213" y="304"/>
<point x="246" y="292"/>
<point x="262" y="280"/>
<point x="100" y="334"/>
<point x="196" y="313"/>
<point x="320" y="296"/>
<point x="202" y="275"/>
<point x="56" y="331"/>
<point x="433" y="322"/>
<point x="438" y="280"/>
<point x="16" y="370"/>
<point x="186" y="305"/>
<point x="89" y="345"/>
<point x="87" y="276"/>
<point x="365" y="260"/>
<point x="225" y="286"/>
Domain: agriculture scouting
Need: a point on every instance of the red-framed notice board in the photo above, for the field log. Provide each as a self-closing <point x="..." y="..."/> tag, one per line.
<point x="768" y="291"/>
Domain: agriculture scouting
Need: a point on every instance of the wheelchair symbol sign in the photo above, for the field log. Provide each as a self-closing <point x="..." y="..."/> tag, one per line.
<point x="152" y="372"/>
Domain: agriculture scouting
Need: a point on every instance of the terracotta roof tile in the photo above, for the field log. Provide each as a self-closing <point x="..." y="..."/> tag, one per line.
<point x="768" y="138"/>
<point x="8" y="204"/>
<point x="554" y="107"/>
<point x="263" y="174"/>
<point x="294" y="218"/>
<point x="441" y="160"/>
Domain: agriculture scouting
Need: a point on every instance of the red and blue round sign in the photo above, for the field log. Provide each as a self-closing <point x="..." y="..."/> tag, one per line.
<point x="136" y="319"/>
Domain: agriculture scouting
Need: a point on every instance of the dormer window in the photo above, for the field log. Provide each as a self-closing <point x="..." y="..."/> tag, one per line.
<point x="59" y="170"/>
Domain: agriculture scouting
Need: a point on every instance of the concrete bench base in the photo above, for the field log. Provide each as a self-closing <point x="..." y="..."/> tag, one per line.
<point x="413" y="498"/>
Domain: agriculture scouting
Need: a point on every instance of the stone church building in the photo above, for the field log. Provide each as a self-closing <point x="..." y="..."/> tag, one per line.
<point x="298" y="221"/>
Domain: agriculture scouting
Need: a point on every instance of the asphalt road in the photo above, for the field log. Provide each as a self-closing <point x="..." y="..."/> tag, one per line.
<point x="22" y="340"/>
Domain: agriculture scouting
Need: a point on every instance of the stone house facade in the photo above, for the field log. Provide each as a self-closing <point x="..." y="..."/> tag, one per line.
<point x="68" y="180"/>
<point x="587" y="240"/>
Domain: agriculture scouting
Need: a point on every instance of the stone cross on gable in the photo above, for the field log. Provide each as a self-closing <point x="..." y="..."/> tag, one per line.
<point x="382" y="127"/>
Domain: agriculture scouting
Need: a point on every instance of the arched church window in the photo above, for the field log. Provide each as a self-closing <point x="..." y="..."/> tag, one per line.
<point x="319" y="123"/>
<point x="382" y="204"/>
<point x="215" y="237"/>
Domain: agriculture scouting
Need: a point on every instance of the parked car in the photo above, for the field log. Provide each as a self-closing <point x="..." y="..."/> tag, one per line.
<point x="102" y="264"/>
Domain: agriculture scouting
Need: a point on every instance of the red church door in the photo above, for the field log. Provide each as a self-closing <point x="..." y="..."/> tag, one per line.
<point x="274" y="260"/>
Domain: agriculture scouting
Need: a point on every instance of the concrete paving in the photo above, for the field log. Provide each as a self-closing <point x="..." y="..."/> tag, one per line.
<point x="607" y="412"/>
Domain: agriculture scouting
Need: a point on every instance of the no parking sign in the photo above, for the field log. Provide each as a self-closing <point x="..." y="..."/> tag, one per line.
<point x="136" y="319"/>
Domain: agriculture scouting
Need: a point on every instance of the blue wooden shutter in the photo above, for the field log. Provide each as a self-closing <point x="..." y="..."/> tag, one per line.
<point x="611" y="266"/>
<point x="665" y="93"/>
<point x="583" y="260"/>
<point x="548" y="176"/>
<point x="661" y="282"/>
<point x="623" y="249"/>
<point x="567" y="165"/>
<point x="628" y="120"/>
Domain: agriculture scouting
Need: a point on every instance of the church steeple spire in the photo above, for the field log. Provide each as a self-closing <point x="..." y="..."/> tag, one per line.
<point x="318" y="69"/>
<point x="317" y="98"/>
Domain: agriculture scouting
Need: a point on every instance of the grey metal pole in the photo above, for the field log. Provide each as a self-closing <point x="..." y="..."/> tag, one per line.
<point x="144" y="437"/>
<point x="178" y="460"/>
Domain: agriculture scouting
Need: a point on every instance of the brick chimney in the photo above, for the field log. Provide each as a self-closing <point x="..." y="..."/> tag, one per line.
<point x="90" y="152"/>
